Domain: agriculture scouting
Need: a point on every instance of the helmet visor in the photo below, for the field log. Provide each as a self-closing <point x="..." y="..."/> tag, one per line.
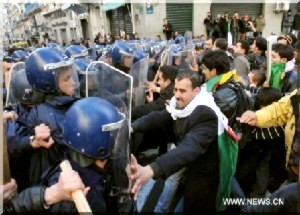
<point x="66" y="77"/>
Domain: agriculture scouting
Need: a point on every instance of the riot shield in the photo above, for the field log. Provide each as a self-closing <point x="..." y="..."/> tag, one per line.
<point x="104" y="55"/>
<point x="105" y="81"/>
<point x="10" y="100"/>
<point x="115" y="86"/>
<point x="135" y="44"/>
<point x="92" y="54"/>
<point x="179" y="56"/>
<point x="139" y="71"/>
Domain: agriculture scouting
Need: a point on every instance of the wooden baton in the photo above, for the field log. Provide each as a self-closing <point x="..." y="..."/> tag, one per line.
<point x="78" y="196"/>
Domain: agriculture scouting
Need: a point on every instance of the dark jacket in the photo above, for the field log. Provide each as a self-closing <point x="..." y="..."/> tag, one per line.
<point x="241" y="27"/>
<point x="29" y="200"/>
<point x="233" y="101"/>
<point x="16" y="129"/>
<point x="293" y="165"/>
<point x="156" y="105"/>
<point x="19" y="162"/>
<point x="296" y="22"/>
<point x="32" y="199"/>
<point x="287" y="202"/>
<point x="227" y="100"/>
<point x="289" y="81"/>
<point x="52" y="113"/>
<point x="121" y="67"/>
<point x="197" y="150"/>
<point x="257" y="62"/>
<point x="168" y="30"/>
<point x="208" y="24"/>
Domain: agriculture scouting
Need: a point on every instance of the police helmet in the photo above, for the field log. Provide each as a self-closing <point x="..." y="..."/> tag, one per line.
<point x="43" y="67"/>
<point x="89" y="126"/>
<point x="119" y="50"/>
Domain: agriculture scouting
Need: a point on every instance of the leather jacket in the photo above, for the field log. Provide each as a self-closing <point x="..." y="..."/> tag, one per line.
<point x="29" y="200"/>
<point x="227" y="100"/>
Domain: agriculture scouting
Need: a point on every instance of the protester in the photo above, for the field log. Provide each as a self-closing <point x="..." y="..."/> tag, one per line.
<point x="167" y="28"/>
<point x="195" y="117"/>
<point x="241" y="62"/>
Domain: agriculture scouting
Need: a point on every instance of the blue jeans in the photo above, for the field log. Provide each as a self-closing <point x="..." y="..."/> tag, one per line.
<point x="143" y="194"/>
<point x="234" y="36"/>
<point x="179" y="207"/>
<point x="236" y="190"/>
<point x="168" y="193"/>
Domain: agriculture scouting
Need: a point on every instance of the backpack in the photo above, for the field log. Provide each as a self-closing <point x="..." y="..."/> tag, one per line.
<point x="244" y="103"/>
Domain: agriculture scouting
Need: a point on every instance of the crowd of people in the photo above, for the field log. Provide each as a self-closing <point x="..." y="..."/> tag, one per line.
<point x="224" y="122"/>
<point x="245" y="27"/>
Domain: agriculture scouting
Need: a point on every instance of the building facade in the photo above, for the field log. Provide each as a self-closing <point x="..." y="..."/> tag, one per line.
<point x="65" y="22"/>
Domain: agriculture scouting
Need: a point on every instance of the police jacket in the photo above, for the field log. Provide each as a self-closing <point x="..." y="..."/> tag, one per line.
<point x="32" y="199"/>
<point x="19" y="162"/>
<point x="16" y="129"/>
<point x="156" y="105"/>
<point x="51" y="112"/>
<point x="197" y="150"/>
<point x="121" y="67"/>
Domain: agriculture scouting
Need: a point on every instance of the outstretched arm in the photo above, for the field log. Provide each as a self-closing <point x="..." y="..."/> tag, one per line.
<point x="276" y="114"/>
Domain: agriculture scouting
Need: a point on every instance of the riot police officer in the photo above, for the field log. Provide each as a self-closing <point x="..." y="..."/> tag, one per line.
<point x="20" y="99"/>
<point x="122" y="56"/>
<point x="96" y="135"/>
<point x="48" y="72"/>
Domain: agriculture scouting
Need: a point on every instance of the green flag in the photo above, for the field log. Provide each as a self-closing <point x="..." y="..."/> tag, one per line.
<point x="276" y="75"/>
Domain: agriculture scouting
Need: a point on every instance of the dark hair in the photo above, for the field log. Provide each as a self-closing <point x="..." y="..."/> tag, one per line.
<point x="169" y="72"/>
<point x="198" y="47"/>
<point x="261" y="44"/>
<point x="221" y="43"/>
<point x="259" y="77"/>
<point x="212" y="39"/>
<point x="194" y="77"/>
<point x="217" y="59"/>
<point x="284" y="51"/>
<point x="11" y="50"/>
<point x="266" y="96"/>
<point x="245" y="45"/>
<point x="8" y="59"/>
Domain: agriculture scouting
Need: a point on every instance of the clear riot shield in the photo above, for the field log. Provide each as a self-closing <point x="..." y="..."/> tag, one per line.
<point x="10" y="100"/>
<point x="92" y="54"/>
<point x="135" y="44"/>
<point x="179" y="56"/>
<point x="115" y="86"/>
<point x="139" y="71"/>
<point x="157" y="49"/>
<point x="105" y="81"/>
<point x="105" y="55"/>
<point x="187" y="57"/>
